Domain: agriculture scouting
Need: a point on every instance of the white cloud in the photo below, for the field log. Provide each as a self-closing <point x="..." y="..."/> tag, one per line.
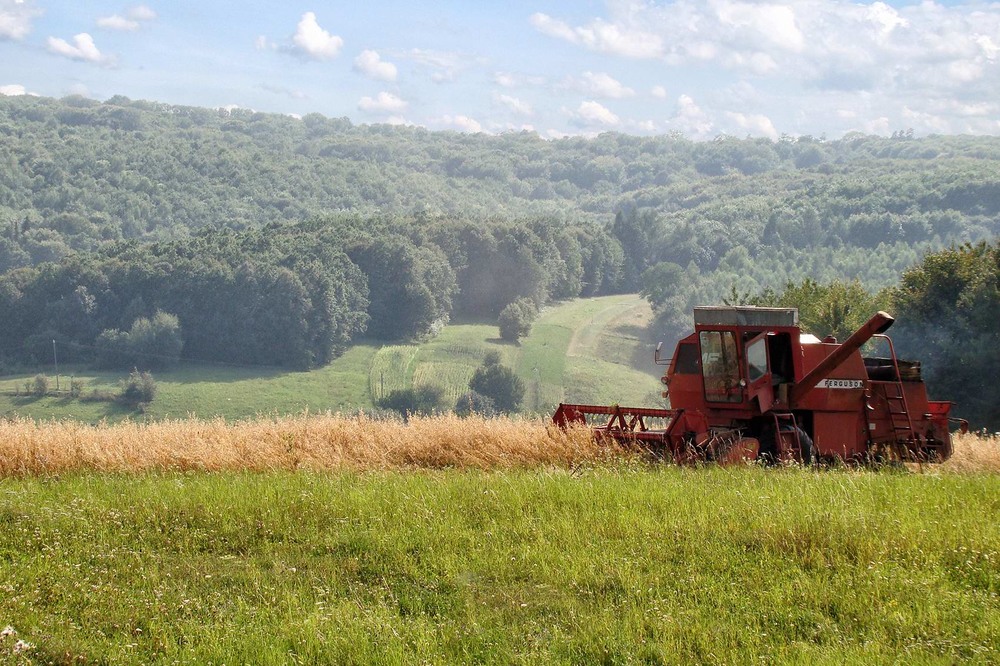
<point x="82" y="48"/>
<point x="229" y="108"/>
<point x="916" y="55"/>
<point x="462" y="124"/>
<point x="116" y="22"/>
<point x="314" y="42"/>
<point x="592" y="114"/>
<point x="133" y="19"/>
<point x="444" y="66"/>
<point x="511" y="80"/>
<point x="624" y="39"/>
<point x="965" y="71"/>
<point x="141" y="13"/>
<point x="691" y="119"/>
<point x="878" y="125"/>
<point x="371" y="65"/>
<point x="262" y="43"/>
<point x="516" y="105"/>
<point x="384" y="102"/>
<point x="16" y="17"/>
<point x="755" y="124"/>
<point x="600" y="84"/>
<point x="768" y="23"/>
<point x="13" y="90"/>
<point x="505" y="79"/>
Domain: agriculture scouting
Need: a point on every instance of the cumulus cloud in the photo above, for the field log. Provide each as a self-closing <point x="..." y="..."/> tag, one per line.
<point x="312" y="41"/>
<point x="515" y="105"/>
<point x="16" y="17"/>
<point x="13" y="90"/>
<point x="599" y="84"/>
<point x="384" y="102"/>
<point x="593" y="114"/>
<point x="462" y="124"/>
<point x="371" y="65"/>
<point x="755" y="124"/>
<point x="624" y="39"/>
<point x="913" y="54"/>
<point x="659" y="92"/>
<point x="690" y="119"/>
<point x="132" y="20"/>
<point x="82" y="48"/>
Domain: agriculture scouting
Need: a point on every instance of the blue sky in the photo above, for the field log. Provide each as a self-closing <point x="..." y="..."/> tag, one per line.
<point x="739" y="67"/>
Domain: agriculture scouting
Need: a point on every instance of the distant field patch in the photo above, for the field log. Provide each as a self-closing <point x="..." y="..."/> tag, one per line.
<point x="391" y="370"/>
<point x="452" y="377"/>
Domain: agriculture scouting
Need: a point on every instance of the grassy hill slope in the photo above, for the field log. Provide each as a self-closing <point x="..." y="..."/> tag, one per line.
<point x="585" y="350"/>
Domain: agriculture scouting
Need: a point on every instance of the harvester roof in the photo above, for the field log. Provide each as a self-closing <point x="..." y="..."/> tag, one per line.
<point x="745" y="315"/>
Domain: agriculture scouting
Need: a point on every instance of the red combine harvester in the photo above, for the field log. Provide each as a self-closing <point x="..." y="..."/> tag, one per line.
<point x="749" y="384"/>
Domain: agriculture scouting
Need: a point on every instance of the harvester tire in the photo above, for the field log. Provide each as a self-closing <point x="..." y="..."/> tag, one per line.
<point x="769" y="445"/>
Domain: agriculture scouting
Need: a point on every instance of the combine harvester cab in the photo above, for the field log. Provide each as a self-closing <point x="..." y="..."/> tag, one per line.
<point x="748" y="384"/>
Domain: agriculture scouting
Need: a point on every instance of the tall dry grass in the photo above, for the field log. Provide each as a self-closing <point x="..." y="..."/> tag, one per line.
<point x="313" y="442"/>
<point x="974" y="453"/>
<point x="318" y="442"/>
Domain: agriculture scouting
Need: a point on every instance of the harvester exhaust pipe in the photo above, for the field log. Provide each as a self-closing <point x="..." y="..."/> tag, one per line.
<point x="879" y="323"/>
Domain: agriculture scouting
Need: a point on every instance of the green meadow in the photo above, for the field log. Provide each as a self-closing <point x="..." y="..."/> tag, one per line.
<point x="615" y="564"/>
<point x="579" y="351"/>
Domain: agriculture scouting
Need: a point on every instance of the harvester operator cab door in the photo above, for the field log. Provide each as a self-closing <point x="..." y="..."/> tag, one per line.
<point x="759" y="384"/>
<point x="720" y="367"/>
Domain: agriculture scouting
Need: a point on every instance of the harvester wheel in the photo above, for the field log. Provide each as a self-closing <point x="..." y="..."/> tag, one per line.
<point x="770" y="450"/>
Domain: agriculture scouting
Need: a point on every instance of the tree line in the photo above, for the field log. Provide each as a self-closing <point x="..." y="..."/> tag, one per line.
<point x="293" y="295"/>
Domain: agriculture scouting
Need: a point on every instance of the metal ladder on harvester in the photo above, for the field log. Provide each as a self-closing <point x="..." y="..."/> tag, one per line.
<point x="792" y="427"/>
<point x="895" y="398"/>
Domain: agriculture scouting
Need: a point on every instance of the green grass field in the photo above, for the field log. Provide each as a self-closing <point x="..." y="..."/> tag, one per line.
<point x="607" y="565"/>
<point x="583" y="350"/>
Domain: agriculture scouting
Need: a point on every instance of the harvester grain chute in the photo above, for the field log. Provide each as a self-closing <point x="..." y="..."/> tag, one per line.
<point x="749" y="384"/>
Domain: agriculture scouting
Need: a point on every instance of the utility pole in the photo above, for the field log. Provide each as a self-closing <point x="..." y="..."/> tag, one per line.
<point x="55" y="361"/>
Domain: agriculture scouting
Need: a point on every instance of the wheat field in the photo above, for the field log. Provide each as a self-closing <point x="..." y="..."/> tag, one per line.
<point x="314" y="442"/>
<point x="334" y="442"/>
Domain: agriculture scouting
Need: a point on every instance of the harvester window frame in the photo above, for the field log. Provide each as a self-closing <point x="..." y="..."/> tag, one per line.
<point x="720" y="366"/>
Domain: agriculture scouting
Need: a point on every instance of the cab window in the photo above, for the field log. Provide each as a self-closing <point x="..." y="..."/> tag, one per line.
<point x="757" y="359"/>
<point x="687" y="359"/>
<point x="720" y="366"/>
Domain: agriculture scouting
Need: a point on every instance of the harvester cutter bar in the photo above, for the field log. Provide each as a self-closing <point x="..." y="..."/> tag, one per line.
<point x="621" y="423"/>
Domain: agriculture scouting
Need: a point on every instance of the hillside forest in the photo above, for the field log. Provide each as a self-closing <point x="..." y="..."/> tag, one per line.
<point x="136" y="232"/>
